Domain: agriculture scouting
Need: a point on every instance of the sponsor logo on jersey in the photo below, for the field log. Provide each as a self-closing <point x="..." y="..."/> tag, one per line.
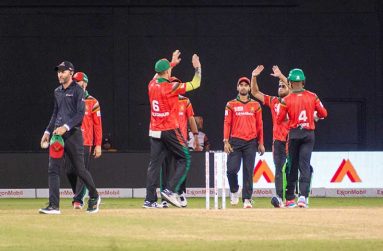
<point x="238" y="108"/>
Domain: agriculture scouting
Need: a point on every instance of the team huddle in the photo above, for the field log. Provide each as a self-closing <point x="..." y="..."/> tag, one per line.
<point x="75" y="128"/>
<point x="294" y="113"/>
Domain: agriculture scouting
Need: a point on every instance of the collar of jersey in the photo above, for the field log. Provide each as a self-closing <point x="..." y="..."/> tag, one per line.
<point x="239" y="99"/>
<point x="298" y="91"/>
<point x="162" y="80"/>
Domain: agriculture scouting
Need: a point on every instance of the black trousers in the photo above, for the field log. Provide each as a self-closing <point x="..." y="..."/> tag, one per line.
<point x="167" y="170"/>
<point x="77" y="185"/>
<point x="173" y="142"/>
<point x="74" y="151"/>
<point x="301" y="145"/>
<point x="279" y="157"/>
<point x="246" y="151"/>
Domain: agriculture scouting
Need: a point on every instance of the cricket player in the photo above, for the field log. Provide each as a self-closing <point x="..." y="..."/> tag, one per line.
<point x="91" y="128"/>
<point x="280" y="131"/>
<point x="185" y="116"/>
<point x="165" y="134"/>
<point x="300" y="106"/>
<point x="242" y="137"/>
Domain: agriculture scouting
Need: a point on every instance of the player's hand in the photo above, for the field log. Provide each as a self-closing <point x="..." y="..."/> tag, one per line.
<point x="195" y="61"/>
<point x="257" y="71"/>
<point x="197" y="147"/>
<point x="60" y="130"/>
<point x="97" y="152"/>
<point x="276" y="72"/>
<point x="316" y="118"/>
<point x="227" y="147"/>
<point x="261" y="149"/>
<point x="176" y="57"/>
<point x="44" y="138"/>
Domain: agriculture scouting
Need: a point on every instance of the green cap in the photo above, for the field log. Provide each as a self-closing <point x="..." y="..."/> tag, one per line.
<point x="296" y="75"/>
<point x="162" y="65"/>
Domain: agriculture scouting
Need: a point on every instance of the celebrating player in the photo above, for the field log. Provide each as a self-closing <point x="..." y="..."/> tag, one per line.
<point x="185" y="115"/>
<point x="300" y="106"/>
<point x="165" y="134"/>
<point x="280" y="131"/>
<point x="243" y="136"/>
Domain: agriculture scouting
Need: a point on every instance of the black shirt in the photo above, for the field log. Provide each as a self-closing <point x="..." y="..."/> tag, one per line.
<point x="69" y="107"/>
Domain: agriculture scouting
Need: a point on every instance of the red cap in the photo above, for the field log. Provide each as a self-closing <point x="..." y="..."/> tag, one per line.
<point x="80" y="76"/>
<point x="243" y="79"/>
<point x="56" y="148"/>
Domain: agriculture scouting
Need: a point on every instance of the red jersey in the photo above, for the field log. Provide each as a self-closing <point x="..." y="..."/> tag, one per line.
<point x="185" y="112"/>
<point x="280" y="131"/>
<point x="91" y="124"/>
<point x="163" y="97"/>
<point x="243" y="120"/>
<point x="300" y="107"/>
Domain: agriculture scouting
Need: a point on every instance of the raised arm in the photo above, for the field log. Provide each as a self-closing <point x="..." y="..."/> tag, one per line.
<point x="278" y="74"/>
<point x="254" y="85"/>
<point x="196" y="81"/>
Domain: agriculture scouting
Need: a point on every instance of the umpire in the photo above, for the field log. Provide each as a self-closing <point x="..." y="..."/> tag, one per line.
<point x="67" y="116"/>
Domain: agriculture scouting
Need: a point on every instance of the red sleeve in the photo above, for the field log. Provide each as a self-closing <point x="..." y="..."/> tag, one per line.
<point x="228" y="121"/>
<point x="322" y="112"/>
<point x="189" y="110"/>
<point x="267" y="100"/>
<point x="259" y="121"/>
<point x="97" y="125"/>
<point x="281" y="115"/>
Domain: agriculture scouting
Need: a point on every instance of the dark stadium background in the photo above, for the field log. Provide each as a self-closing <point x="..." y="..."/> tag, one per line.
<point x="337" y="43"/>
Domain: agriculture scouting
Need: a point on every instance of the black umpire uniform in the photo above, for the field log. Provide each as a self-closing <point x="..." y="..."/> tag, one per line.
<point x="68" y="111"/>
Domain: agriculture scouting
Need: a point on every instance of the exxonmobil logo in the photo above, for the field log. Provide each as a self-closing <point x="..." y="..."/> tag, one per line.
<point x="263" y="169"/>
<point x="346" y="167"/>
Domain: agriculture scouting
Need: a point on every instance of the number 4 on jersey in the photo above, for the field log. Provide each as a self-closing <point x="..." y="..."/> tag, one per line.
<point x="302" y="116"/>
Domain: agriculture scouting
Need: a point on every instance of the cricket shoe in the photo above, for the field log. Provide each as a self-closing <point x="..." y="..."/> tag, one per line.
<point x="171" y="197"/>
<point x="148" y="204"/>
<point x="291" y="203"/>
<point x="247" y="204"/>
<point x="49" y="210"/>
<point x="183" y="201"/>
<point x="77" y="205"/>
<point x="94" y="205"/>
<point x="302" y="202"/>
<point x="277" y="202"/>
<point x="234" y="198"/>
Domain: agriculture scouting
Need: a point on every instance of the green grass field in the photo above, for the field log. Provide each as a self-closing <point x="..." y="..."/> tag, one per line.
<point x="329" y="224"/>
